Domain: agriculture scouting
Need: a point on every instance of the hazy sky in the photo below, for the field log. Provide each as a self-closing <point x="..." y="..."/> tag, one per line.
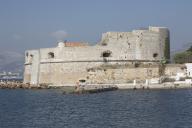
<point x="29" y="24"/>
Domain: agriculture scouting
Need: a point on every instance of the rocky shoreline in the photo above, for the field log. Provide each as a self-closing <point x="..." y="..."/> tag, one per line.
<point x="16" y="85"/>
<point x="21" y="85"/>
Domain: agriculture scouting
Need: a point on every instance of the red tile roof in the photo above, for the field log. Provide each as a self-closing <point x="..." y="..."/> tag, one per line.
<point x="75" y="44"/>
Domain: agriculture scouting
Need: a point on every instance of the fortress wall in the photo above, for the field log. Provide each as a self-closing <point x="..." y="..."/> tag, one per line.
<point x="123" y="75"/>
<point x="32" y="61"/>
<point x="69" y="64"/>
<point x="86" y="53"/>
<point x="94" y="53"/>
<point x="148" y="44"/>
<point x="165" y="40"/>
<point x="65" y="73"/>
<point x="124" y="47"/>
<point x="70" y="73"/>
<point x="139" y="44"/>
<point x="27" y="74"/>
<point x="173" y="69"/>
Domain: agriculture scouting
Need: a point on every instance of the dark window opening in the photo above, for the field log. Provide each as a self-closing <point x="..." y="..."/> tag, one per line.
<point x="90" y="70"/>
<point x="137" y="65"/>
<point x="104" y="44"/>
<point x="51" y="55"/>
<point x="82" y="81"/>
<point x="106" y="54"/>
<point x="155" y="55"/>
<point x="183" y="67"/>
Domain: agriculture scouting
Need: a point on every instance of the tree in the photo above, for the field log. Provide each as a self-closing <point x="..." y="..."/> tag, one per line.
<point x="184" y="57"/>
<point x="190" y="49"/>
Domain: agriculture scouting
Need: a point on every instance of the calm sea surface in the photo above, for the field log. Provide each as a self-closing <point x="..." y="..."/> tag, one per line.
<point x="117" y="109"/>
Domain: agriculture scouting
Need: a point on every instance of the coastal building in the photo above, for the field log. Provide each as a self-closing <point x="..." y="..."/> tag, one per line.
<point x="120" y="57"/>
<point x="189" y="69"/>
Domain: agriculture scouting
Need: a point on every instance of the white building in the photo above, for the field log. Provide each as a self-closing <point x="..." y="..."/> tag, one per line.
<point x="189" y="69"/>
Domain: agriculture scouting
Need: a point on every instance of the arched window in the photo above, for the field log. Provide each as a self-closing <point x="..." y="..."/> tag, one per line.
<point x="51" y="55"/>
<point x="106" y="53"/>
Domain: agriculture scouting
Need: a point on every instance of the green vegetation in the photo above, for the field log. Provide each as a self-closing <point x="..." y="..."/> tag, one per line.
<point x="184" y="57"/>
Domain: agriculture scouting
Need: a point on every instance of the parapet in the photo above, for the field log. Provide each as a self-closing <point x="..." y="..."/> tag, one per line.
<point x="158" y="29"/>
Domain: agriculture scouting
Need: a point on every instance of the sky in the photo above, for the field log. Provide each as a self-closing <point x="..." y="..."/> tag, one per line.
<point x="31" y="24"/>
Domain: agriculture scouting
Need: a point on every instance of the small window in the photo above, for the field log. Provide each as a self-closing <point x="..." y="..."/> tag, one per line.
<point x="106" y="54"/>
<point x="51" y="55"/>
<point x="104" y="44"/>
<point x="155" y="55"/>
<point x="82" y="81"/>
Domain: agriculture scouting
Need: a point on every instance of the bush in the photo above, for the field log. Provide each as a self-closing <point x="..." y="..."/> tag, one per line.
<point x="183" y="57"/>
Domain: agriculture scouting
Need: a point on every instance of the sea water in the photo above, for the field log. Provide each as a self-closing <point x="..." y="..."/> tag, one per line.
<point x="117" y="109"/>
